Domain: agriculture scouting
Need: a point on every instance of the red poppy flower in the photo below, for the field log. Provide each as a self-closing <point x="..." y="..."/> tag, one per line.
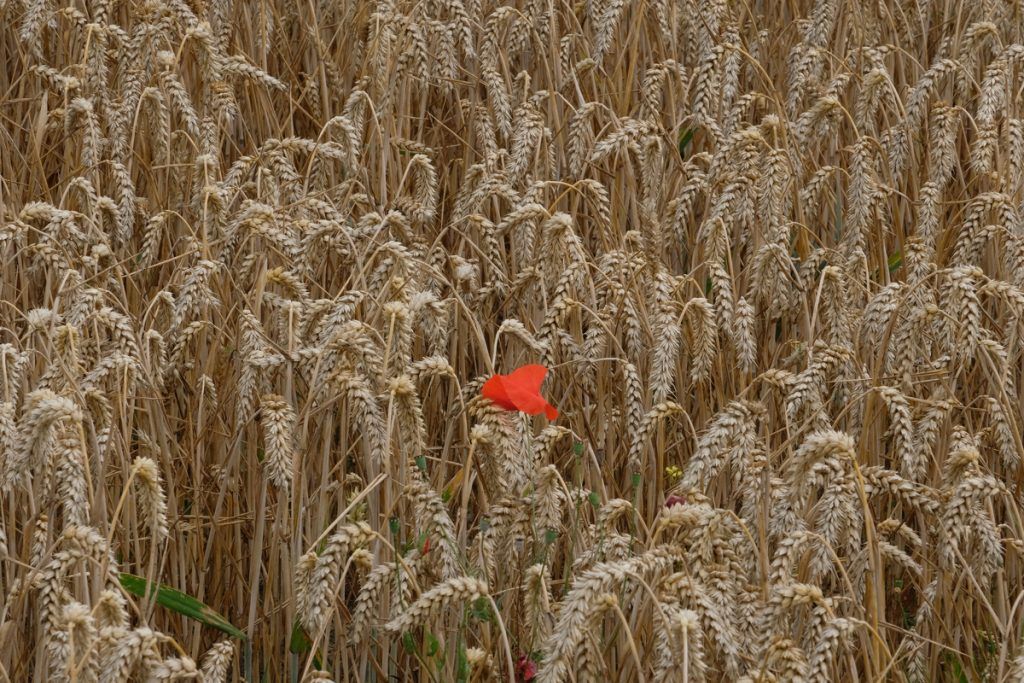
<point x="526" y="669"/>
<point x="520" y="390"/>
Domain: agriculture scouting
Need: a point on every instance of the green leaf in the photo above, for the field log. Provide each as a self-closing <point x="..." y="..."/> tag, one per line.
<point x="179" y="602"/>
<point x="595" y="500"/>
<point x="958" y="670"/>
<point x="550" y="536"/>
<point x="895" y="261"/>
<point x="432" y="645"/>
<point x="577" y="448"/>
<point x="462" y="667"/>
<point x="300" y="642"/>
<point x="421" y="462"/>
<point x="685" y="136"/>
<point x="481" y="609"/>
<point x="408" y="643"/>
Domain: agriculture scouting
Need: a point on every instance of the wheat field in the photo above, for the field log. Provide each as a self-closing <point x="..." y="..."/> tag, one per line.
<point x="259" y="258"/>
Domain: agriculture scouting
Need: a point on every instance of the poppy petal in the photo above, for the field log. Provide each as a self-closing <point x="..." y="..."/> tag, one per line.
<point x="494" y="389"/>
<point x="520" y="390"/>
<point x="523" y="387"/>
<point x="527" y="401"/>
<point x="529" y="377"/>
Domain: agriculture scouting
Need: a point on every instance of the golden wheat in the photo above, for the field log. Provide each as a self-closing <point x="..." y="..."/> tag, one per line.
<point x="260" y="258"/>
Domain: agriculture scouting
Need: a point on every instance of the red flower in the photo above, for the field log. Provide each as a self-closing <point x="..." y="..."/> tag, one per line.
<point x="526" y="669"/>
<point x="674" y="500"/>
<point x="520" y="390"/>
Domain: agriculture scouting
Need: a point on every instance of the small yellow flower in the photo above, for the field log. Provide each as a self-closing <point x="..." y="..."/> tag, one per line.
<point x="673" y="474"/>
